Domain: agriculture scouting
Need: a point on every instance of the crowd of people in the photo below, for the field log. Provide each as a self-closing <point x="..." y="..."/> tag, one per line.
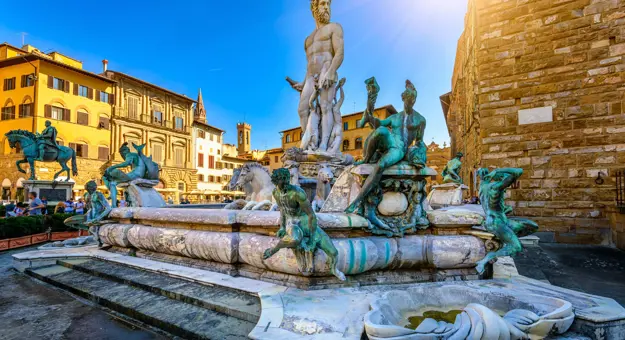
<point x="39" y="206"/>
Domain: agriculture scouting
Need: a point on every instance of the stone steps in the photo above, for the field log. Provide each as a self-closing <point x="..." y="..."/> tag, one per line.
<point x="180" y="307"/>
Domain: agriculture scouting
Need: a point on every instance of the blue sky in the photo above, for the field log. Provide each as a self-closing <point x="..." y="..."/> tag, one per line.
<point x="239" y="51"/>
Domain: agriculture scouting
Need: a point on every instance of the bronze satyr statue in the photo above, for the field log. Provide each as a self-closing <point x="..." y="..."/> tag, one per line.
<point x="298" y="226"/>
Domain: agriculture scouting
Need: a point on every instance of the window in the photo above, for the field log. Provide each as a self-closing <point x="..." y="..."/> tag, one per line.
<point x="83" y="91"/>
<point x="211" y="162"/>
<point x="58" y="84"/>
<point x="103" y="153"/>
<point x="345" y="126"/>
<point x="181" y="186"/>
<point x="27" y="110"/>
<point x="103" y="123"/>
<point x="218" y="152"/>
<point x="201" y="134"/>
<point x="179" y="156"/>
<point x="240" y="137"/>
<point x="59" y="113"/>
<point x="9" y="84"/>
<point x="288" y="138"/>
<point x="247" y="137"/>
<point x="104" y="97"/>
<point x="275" y="159"/>
<point x="157" y="117"/>
<point x="179" y="123"/>
<point x="218" y="179"/>
<point x="157" y="152"/>
<point x="211" y="179"/>
<point x="132" y="107"/>
<point x="345" y="145"/>
<point x="82" y="118"/>
<point x="200" y="178"/>
<point x="358" y="143"/>
<point x="200" y="160"/>
<point x="82" y="150"/>
<point x="8" y="112"/>
<point x="28" y="80"/>
<point x="211" y="137"/>
<point x="220" y="165"/>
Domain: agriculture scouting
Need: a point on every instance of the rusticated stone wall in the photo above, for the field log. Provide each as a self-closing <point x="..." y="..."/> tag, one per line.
<point x="550" y="79"/>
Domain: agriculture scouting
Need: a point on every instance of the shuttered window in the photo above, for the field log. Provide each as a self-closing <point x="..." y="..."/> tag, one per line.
<point x="55" y="112"/>
<point x="179" y="123"/>
<point x="28" y="80"/>
<point x="103" y="123"/>
<point x="211" y="162"/>
<point x="200" y="178"/>
<point x="200" y="160"/>
<point x="103" y="153"/>
<point x="9" y="84"/>
<point x="27" y="110"/>
<point x="82" y="150"/>
<point x="132" y="107"/>
<point x="179" y="156"/>
<point x="7" y="113"/>
<point x="82" y="118"/>
<point x="58" y="84"/>
<point x="157" y="153"/>
<point x="201" y="134"/>
<point x="82" y="91"/>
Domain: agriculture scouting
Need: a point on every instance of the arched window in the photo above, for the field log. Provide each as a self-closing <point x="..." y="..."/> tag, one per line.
<point x="82" y="117"/>
<point x="358" y="143"/>
<point x="240" y="137"/>
<point x="345" y="145"/>
<point x="247" y="139"/>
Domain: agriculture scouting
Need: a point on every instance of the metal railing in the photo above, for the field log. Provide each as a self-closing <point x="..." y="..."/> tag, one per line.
<point x="620" y="191"/>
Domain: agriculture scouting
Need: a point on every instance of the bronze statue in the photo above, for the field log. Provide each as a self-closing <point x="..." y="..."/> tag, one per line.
<point x="383" y="147"/>
<point x="451" y="172"/>
<point x="142" y="167"/>
<point x="493" y="186"/>
<point x="298" y="226"/>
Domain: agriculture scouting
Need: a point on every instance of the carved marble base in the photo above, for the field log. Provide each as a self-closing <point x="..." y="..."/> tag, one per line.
<point x="141" y="193"/>
<point x="447" y="194"/>
<point x="402" y="187"/>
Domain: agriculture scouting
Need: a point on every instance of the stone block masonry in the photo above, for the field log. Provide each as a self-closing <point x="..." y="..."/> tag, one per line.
<point x="542" y="85"/>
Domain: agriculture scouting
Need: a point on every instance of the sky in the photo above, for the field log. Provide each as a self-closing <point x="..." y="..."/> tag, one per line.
<point x="240" y="51"/>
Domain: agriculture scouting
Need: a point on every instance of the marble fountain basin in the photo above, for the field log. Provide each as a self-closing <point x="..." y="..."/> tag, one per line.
<point x="497" y="315"/>
<point x="233" y="241"/>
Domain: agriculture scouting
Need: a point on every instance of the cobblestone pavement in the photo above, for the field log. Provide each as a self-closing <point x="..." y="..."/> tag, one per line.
<point x="594" y="270"/>
<point x="32" y="310"/>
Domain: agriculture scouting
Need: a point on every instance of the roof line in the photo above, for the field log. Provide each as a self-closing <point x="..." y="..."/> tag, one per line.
<point x="150" y="84"/>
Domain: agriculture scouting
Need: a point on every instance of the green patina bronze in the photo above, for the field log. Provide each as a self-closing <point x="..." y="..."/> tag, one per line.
<point x="142" y="167"/>
<point x="507" y="229"/>
<point x="299" y="230"/>
<point x="451" y="172"/>
<point x="42" y="147"/>
<point x="98" y="209"/>
<point x="390" y="141"/>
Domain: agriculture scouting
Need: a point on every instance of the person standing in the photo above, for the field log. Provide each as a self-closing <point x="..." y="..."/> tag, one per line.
<point x="36" y="205"/>
<point x="80" y="207"/>
<point x="44" y="200"/>
<point x="69" y="206"/>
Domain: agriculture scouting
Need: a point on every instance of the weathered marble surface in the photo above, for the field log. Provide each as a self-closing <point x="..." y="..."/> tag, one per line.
<point x="393" y="204"/>
<point x="527" y="315"/>
<point x="141" y="192"/>
<point x="446" y="194"/>
<point x="356" y="255"/>
<point x="455" y="218"/>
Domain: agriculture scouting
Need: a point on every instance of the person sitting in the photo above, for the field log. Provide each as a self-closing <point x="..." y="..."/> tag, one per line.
<point x="18" y="211"/>
<point x="9" y="208"/>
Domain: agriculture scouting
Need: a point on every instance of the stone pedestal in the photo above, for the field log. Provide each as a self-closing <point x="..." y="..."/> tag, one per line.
<point x="54" y="191"/>
<point x="141" y="193"/>
<point x="447" y="194"/>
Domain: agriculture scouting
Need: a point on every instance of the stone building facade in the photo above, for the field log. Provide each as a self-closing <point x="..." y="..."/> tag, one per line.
<point x="540" y="85"/>
<point x="144" y="113"/>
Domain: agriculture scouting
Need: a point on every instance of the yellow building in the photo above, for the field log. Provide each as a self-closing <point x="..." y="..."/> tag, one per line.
<point x="145" y="113"/>
<point x="39" y="87"/>
<point x="353" y="137"/>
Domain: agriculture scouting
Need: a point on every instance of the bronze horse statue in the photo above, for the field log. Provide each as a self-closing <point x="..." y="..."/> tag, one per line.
<point x="28" y="144"/>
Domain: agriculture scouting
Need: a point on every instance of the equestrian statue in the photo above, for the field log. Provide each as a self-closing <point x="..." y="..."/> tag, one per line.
<point x="44" y="148"/>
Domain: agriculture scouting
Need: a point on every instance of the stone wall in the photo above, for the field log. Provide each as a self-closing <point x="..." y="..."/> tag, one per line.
<point x="550" y="84"/>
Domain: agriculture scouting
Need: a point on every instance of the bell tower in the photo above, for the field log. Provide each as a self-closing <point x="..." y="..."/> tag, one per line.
<point x="243" y="138"/>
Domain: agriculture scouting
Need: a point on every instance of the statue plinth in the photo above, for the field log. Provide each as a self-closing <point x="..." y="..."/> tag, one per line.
<point x="447" y="194"/>
<point x="53" y="191"/>
<point x="396" y="206"/>
<point x="141" y="193"/>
